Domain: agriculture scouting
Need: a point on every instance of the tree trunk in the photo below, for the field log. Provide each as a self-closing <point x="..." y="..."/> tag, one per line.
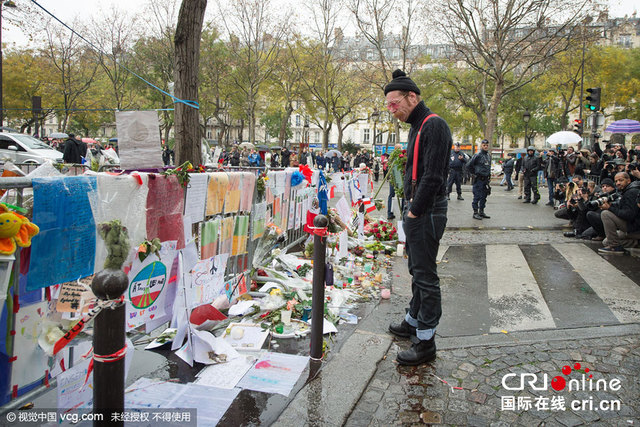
<point x="187" y="45"/>
<point x="492" y="112"/>
<point x="340" y="135"/>
<point x="283" y="125"/>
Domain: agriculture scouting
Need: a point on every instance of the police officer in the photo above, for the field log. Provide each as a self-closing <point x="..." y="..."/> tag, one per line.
<point x="456" y="164"/>
<point x="530" y="167"/>
<point x="480" y="166"/>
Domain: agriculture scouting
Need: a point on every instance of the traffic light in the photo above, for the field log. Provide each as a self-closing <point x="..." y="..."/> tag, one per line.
<point x="577" y="126"/>
<point x="593" y="100"/>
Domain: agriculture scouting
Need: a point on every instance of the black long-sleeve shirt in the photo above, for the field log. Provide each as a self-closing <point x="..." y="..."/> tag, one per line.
<point x="433" y="159"/>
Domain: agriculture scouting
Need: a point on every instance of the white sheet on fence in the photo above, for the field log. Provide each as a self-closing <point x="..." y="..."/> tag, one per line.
<point x="31" y="361"/>
<point x="138" y="136"/>
<point x="196" y="198"/>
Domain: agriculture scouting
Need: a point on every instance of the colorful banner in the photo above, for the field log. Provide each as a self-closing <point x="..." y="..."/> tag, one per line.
<point x="165" y="205"/>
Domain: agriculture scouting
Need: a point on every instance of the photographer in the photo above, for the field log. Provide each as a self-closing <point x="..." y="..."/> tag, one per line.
<point x="633" y="169"/>
<point x="579" y="205"/>
<point x="622" y="214"/>
<point x="561" y="191"/>
<point x="594" y="217"/>
<point x="552" y="172"/>
<point x="566" y="211"/>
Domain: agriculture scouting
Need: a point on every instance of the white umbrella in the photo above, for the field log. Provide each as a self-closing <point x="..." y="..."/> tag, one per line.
<point x="58" y="135"/>
<point x="247" y="145"/>
<point x="331" y="152"/>
<point x="564" y="137"/>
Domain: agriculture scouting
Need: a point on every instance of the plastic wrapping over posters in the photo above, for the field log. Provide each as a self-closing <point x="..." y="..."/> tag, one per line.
<point x="216" y="192"/>
<point x="31" y="361"/>
<point x="274" y="373"/>
<point x="66" y="245"/>
<point x="226" y="235"/>
<point x="121" y="197"/>
<point x="248" y="185"/>
<point x="240" y="235"/>
<point x="196" y="198"/>
<point x="149" y="286"/>
<point x="209" y="238"/>
<point x="232" y="202"/>
<point x="139" y="139"/>
<point x="165" y="204"/>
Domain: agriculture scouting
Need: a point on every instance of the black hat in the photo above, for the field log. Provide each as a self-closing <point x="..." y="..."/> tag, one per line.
<point x="484" y="141"/>
<point x="457" y="144"/>
<point x="401" y="82"/>
<point x="607" y="181"/>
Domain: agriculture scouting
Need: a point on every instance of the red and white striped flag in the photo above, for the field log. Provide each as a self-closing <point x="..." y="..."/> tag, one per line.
<point x="369" y="204"/>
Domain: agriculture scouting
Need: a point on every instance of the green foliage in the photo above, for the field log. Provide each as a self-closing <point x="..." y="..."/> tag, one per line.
<point x="349" y="147"/>
<point x="272" y="122"/>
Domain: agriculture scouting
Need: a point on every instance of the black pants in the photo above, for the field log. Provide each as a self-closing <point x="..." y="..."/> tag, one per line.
<point x="479" y="193"/>
<point x="531" y="186"/>
<point x="423" y="239"/>
<point x="595" y="220"/>
<point x="455" y="176"/>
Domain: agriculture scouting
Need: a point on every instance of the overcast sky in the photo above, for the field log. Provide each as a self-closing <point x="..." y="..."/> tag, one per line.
<point x="67" y="10"/>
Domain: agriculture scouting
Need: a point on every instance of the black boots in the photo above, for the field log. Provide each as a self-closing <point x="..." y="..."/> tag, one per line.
<point x="420" y="352"/>
<point x="482" y="214"/>
<point x="402" y="329"/>
<point x="476" y="215"/>
<point x="460" y="197"/>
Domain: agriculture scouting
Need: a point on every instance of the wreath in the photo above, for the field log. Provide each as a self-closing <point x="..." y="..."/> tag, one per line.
<point x="397" y="166"/>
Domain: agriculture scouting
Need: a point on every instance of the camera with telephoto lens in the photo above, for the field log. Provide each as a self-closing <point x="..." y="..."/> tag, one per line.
<point x="605" y="199"/>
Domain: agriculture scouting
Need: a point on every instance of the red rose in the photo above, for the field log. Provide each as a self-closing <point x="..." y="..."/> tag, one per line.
<point x="378" y="235"/>
<point x="384" y="228"/>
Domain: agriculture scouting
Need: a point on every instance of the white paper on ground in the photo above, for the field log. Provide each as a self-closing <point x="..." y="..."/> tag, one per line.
<point x="241" y="308"/>
<point x="225" y="375"/>
<point x="343" y="250"/>
<point x="274" y="373"/>
<point x="204" y="343"/>
<point x="252" y="338"/>
<point x="327" y="327"/>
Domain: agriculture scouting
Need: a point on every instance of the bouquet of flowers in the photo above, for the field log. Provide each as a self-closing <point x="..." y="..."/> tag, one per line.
<point x="268" y="245"/>
<point x="397" y="166"/>
<point x="383" y="231"/>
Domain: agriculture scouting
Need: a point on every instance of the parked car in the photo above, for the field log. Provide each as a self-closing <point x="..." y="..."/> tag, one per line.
<point x="20" y="148"/>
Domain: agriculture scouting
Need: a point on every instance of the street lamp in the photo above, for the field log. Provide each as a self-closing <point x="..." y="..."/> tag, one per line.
<point x="375" y="115"/>
<point x="305" y="135"/>
<point x="526" y="117"/>
<point x="8" y="3"/>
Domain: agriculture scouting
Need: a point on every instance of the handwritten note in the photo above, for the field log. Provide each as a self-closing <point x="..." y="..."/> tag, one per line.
<point x="73" y="297"/>
<point x="196" y="196"/>
<point x="66" y="245"/>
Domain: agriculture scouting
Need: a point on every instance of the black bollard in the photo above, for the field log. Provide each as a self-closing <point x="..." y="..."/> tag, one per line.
<point x="108" y="338"/>
<point x="317" y="298"/>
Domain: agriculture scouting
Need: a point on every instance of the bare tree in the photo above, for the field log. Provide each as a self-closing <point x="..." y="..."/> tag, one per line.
<point x="113" y="35"/>
<point x="187" y="117"/>
<point x="255" y="36"/>
<point x="75" y="67"/>
<point x="510" y="42"/>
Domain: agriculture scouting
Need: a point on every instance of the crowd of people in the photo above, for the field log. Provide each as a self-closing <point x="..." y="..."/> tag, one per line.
<point x="597" y="191"/>
<point x="331" y="160"/>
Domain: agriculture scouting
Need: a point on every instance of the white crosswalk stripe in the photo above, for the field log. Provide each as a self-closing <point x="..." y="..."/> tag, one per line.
<point x="516" y="302"/>
<point x="619" y="292"/>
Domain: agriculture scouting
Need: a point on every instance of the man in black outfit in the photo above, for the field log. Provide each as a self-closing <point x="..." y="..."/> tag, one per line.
<point x="480" y="167"/>
<point x="530" y="167"/>
<point x="456" y="163"/>
<point x="425" y="214"/>
<point x="74" y="150"/>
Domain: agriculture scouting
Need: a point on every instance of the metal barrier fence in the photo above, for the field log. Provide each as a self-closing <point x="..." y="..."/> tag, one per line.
<point x="235" y="265"/>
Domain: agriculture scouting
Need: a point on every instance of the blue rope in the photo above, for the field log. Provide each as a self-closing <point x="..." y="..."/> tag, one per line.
<point x="193" y="104"/>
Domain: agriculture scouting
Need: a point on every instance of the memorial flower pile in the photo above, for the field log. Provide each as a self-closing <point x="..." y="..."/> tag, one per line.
<point x="381" y="230"/>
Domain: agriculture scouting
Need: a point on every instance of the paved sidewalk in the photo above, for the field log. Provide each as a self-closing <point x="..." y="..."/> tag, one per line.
<point x="464" y="386"/>
<point x="474" y="395"/>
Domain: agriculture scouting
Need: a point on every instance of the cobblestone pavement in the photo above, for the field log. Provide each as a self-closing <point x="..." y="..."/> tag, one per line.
<point x="464" y="386"/>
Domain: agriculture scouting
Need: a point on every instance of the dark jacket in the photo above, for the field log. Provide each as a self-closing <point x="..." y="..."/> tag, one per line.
<point x="553" y="169"/>
<point x="508" y="166"/>
<point x="456" y="163"/>
<point x="433" y="159"/>
<point x="627" y="207"/>
<point x="531" y="165"/>
<point x="285" y="156"/>
<point x="74" y="151"/>
<point x="518" y="166"/>
<point x="235" y="158"/>
<point x="480" y="164"/>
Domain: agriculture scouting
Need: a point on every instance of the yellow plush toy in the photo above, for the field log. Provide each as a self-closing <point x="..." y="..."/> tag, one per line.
<point x="14" y="229"/>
